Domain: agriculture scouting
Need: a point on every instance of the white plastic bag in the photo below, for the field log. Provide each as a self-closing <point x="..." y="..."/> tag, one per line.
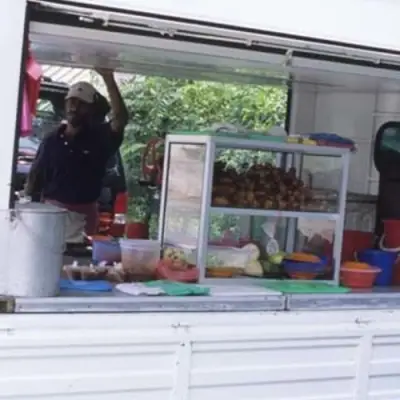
<point x="75" y="227"/>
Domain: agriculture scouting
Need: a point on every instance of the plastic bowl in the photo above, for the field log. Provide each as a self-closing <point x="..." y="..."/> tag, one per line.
<point x="303" y="270"/>
<point x="305" y="276"/>
<point x="167" y="272"/>
<point x="140" y="258"/>
<point x="223" y="272"/>
<point x="356" y="265"/>
<point x="356" y="278"/>
<point x="106" y="250"/>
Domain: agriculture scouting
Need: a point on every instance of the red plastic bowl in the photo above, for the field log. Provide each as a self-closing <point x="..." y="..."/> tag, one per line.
<point x="358" y="278"/>
<point x="188" y="275"/>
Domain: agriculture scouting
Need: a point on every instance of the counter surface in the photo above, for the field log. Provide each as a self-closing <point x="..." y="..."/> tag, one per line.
<point x="68" y="303"/>
<point x="378" y="298"/>
<point x="114" y="303"/>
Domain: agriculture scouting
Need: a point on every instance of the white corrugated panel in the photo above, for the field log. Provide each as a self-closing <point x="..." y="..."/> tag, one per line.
<point x="67" y="75"/>
<point x="71" y="75"/>
<point x="348" y="355"/>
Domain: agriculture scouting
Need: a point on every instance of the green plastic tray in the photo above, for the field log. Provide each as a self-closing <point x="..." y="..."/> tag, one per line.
<point x="294" y="287"/>
<point x="179" y="289"/>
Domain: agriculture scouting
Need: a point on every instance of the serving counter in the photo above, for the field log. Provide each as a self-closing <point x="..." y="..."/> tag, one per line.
<point x="270" y="301"/>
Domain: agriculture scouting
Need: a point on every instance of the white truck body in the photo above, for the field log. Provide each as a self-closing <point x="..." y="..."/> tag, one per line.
<point x="350" y="355"/>
<point x="309" y="352"/>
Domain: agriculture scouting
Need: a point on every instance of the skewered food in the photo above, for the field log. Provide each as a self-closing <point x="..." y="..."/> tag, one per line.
<point x="261" y="186"/>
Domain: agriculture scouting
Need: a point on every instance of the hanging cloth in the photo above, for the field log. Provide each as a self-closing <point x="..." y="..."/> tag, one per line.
<point x="26" y="116"/>
<point x="33" y="75"/>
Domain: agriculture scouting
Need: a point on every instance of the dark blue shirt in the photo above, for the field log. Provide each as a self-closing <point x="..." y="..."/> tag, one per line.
<point x="73" y="168"/>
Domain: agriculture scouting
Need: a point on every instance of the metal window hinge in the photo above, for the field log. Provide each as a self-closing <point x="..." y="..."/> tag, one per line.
<point x="7" y="305"/>
<point x="288" y="58"/>
<point x="362" y="322"/>
<point x="178" y="325"/>
<point x="96" y="16"/>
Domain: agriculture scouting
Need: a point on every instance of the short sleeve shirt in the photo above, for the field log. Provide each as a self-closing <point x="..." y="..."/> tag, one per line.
<point x="74" y="168"/>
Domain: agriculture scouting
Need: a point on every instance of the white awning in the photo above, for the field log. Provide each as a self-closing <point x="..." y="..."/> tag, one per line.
<point x="98" y="32"/>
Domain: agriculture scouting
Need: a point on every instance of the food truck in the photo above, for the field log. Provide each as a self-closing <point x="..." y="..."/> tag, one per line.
<point x="341" y="64"/>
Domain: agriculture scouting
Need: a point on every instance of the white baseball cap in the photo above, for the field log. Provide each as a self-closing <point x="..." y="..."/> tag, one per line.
<point x="83" y="91"/>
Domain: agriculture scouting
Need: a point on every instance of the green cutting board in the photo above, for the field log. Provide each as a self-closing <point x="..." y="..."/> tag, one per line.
<point x="295" y="287"/>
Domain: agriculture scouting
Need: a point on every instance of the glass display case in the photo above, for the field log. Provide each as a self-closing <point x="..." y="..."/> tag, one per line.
<point x="223" y="194"/>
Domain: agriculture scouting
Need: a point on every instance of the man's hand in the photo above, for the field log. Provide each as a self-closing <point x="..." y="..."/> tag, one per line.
<point x="120" y="113"/>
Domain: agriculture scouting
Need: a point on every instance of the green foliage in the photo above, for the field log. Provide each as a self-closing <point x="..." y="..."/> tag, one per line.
<point x="158" y="104"/>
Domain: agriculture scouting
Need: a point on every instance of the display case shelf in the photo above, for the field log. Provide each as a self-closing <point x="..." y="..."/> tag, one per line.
<point x="274" y="213"/>
<point x="254" y="142"/>
<point x="190" y="182"/>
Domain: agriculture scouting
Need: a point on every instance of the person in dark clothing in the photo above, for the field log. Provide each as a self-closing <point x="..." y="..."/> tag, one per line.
<point x="71" y="161"/>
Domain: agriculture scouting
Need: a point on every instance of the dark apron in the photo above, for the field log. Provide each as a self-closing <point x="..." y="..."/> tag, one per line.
<point x="387" y="162"/>
<point x="388" y="204"/>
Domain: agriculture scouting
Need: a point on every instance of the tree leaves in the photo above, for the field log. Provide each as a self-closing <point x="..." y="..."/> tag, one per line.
<point x="157" y="105"/>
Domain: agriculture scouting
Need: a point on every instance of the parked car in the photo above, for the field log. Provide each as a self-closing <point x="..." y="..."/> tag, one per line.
<point x="113" y="202"/>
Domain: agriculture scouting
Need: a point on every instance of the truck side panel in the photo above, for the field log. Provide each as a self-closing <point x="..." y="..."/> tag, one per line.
<point x="346" y="355"/>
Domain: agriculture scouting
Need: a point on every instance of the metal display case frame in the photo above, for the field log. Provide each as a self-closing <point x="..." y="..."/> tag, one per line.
<point x="211" y="143"/>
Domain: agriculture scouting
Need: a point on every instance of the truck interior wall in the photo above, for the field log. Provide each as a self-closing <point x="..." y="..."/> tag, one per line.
<point x="355" y="115"/>
<point x="350" y="115"/>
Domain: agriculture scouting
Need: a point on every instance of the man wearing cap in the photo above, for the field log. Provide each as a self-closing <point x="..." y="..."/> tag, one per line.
<point x="71" y="161"/>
